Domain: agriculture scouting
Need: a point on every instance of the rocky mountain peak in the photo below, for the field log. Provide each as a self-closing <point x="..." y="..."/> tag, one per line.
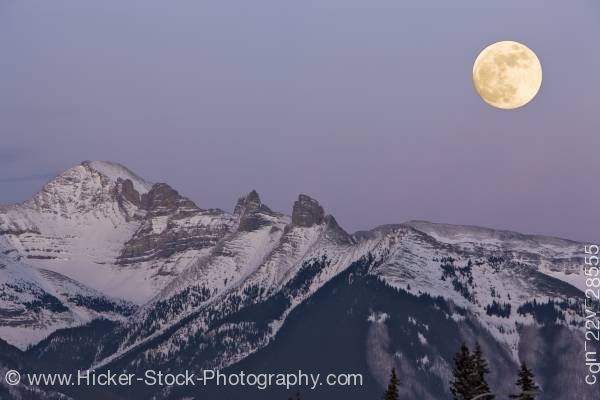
<point x="89" y="187"/>
<point x="307" y="212"/>
<point x="336" y="232"/>
<point x="248" y="203"/>
<point x="113" y="172"/>
<point x="251" y="212"/>
<point x="253" y="197"/>
<point x="77" y="190"/>
<point x="162" y="199"/>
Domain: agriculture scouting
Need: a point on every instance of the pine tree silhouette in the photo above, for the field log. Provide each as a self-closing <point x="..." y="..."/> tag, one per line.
<point x="464" y="375"/>
<point x="480" y="385"/>
<point x="526" y="383"/>
<point x="392" y="390"/>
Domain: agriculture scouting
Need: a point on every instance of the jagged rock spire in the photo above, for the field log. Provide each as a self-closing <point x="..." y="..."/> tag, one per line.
<point x="162" y="199"/>
<point x="251" y="212"/>
<point x="249" y="202"/>
<point x="307" y="212"/>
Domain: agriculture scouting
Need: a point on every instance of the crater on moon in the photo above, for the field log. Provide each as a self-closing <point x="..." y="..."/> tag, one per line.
<point x="507" y="75"/>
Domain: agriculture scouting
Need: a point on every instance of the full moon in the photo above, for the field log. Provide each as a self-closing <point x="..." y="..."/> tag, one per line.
<point x="507" y="75"/>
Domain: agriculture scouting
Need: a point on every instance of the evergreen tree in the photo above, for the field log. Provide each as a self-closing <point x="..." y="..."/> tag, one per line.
<point x="526" y="383"/>
<point x="480" y="385"/>
<point x="464" y="375"/>
<point x="470" y="370"/>
<point x="392" y="390"/>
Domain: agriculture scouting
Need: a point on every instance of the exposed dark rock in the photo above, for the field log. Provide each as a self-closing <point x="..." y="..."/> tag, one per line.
<point x="178" y="233"/>
<point x="18" y="232"/>
<point x="249" y="203"/>
<point x="127" y="190"/>
<point x="162" y="199"/>
<point x="251" y="212"/>
<point x="307" y="212"/>
<point x="336" y="232"/>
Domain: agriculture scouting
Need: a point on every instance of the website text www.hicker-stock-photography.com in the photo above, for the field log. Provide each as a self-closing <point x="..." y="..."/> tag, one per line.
<point x="261" y="381"/>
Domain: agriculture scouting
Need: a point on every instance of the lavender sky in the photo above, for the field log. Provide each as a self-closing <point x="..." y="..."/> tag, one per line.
<point x="366" y="105"/>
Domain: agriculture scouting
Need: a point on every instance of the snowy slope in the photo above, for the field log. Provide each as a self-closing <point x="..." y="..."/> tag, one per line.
<point x="35" y="303"/>
<point x="76" y="226"/>
<point x="493" y="279"/>
<point x="102" y="225"/>
<point x="559" y="258"/>
<point x="114" y="171"/>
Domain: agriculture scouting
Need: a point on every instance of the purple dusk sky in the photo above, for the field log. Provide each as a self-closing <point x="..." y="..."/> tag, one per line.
<point x="367" y="105"/>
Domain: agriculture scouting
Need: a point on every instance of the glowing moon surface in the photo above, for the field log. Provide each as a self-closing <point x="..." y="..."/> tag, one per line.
<point x="507" y="75"/>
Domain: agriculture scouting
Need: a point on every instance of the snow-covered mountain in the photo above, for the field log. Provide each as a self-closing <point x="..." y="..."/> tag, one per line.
<point x="218" y="289"/>
<point x="102" y="225"/>
<point x="35" y="302"/>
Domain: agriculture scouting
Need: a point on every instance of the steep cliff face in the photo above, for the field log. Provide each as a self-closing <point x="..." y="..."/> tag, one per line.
<point x="172" y="224"/>
<point x="307" y="212"/>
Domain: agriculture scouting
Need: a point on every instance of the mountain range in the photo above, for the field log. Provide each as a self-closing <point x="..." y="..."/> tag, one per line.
<point x="104" y="270"/>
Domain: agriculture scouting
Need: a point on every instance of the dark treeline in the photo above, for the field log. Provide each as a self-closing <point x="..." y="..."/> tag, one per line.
<point x="469" y="379"/>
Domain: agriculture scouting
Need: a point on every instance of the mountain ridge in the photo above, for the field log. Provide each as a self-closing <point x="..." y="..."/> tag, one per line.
<point x="213" y="288"/>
